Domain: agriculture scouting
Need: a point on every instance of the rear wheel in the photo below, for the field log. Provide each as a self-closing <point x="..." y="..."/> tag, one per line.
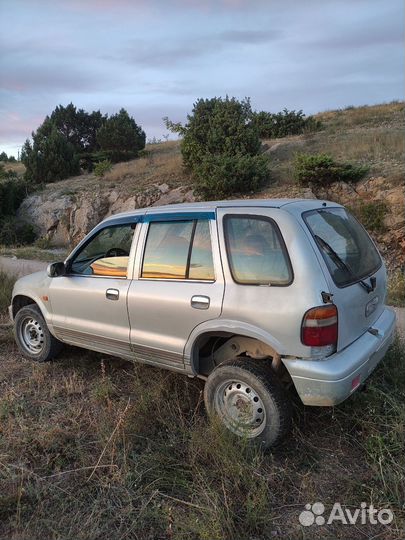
<point x="249" y="400"/>
<point x="33" y="337"/>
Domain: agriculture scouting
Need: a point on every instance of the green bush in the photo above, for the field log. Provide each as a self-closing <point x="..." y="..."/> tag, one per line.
<point x="223" y="175"/>
<point x="12" y="192"/>
<point x="219" y="126"/>
<point x="284" y="123"/>
<point x="221" y="147"/>
<point x="371" y="215"/>
<point x="15" y="233"/>
<point x="322" y="170"/>
<point x="102" y="168"/>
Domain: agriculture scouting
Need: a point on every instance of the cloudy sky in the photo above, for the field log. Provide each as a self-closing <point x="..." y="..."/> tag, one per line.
<point x="156" y="57"/>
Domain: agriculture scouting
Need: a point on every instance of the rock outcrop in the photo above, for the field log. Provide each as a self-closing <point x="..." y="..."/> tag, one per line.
<point x="65" y="217"/>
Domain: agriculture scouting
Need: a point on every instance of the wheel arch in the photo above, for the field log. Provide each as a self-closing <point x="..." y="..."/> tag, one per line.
<point x="241" y="338"/>
<point x="21" y="300"/>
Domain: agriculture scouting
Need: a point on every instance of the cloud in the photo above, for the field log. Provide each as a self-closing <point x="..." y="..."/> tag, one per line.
<point x="145" y="53"/>
<point x="156" y="57"/>
<point x="250" y="36"/>
<point x="27" y="78"/>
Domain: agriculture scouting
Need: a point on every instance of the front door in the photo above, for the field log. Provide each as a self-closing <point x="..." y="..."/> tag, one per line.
<point x="178" y="285"/>
<point x="89" y="303"/>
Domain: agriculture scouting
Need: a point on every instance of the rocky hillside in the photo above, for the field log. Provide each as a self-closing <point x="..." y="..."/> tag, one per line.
<point x="65" y="211"/>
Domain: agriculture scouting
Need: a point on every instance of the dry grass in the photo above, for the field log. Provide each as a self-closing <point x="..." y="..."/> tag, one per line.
<point x="156" y="167"/>
<point x="383" y="114"/>
<point x="381" y="149"/>
<point x="365" y="135"/>
<point x="159" y="164"/>
<point x="33" y="253"/>
<point x="17" y="167"/>
<point x="396" y="289"/>
<point x="93" y="447"/>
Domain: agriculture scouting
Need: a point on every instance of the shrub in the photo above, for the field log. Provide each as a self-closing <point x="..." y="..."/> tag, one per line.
<point x="12" y="192"/>
<point x="219" y="126"/>
<point x="223" y="175"/>
<point x="14" y="233"/>
<point x="221" y="146"/>
<point x="371" y="215"/>
<point x="102" y="167"/>
<point x="322" y="170"/>
<point x="283" y="123"/>
<point x="120" y="137"/>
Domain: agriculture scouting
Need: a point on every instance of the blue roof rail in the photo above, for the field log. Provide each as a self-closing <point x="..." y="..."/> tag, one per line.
<point x="177" y="216"/>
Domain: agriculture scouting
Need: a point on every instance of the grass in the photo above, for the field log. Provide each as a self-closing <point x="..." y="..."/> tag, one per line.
<point x="33" y="253"/>
<point x="96" y="447"/>
<point x="160" y="164"/>
<point x="371" y="214"/>
<point x="396" y="289"/>
<point x="16" y="167"/>
<point x="383" y="114"/>
<point x="6" y="287"/>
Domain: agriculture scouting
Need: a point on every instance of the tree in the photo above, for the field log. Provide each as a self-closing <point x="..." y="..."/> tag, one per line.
<point x="50" y="156"/>
<point x="3" y="156"/>
<point x="78" y="127"/>
<point x="221" y="146"/>
<point x="120" y="138"/>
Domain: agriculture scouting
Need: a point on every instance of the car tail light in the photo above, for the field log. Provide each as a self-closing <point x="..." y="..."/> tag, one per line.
<point x="320" y="326"/>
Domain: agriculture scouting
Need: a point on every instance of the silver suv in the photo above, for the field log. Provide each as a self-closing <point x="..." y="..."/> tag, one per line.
<point x="254" y="297"/>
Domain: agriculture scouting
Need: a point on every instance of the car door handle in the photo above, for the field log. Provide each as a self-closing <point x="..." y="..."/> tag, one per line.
<point x="200" y="302"/>
<point x="112" y="294"/>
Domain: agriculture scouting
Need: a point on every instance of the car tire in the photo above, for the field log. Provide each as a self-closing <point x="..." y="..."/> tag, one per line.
<point x="249" y="400"/>
<point x="32" y="335"/>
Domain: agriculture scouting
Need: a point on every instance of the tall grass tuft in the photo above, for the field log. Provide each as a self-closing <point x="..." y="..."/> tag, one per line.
<point x="6" y="288"/>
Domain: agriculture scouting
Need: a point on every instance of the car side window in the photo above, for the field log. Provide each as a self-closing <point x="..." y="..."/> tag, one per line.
<point x="201" y="262"/>
<point x="178" y="250"/>
<point x="106" y="254"/>
<point x="256" y="251"/>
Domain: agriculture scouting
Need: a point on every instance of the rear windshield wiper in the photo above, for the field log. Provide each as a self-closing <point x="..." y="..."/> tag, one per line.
<point x="341" y="263"/>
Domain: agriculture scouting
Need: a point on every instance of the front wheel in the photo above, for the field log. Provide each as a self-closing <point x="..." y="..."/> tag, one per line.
<point x="249" y="400"/>
<point x="33" y="337"/>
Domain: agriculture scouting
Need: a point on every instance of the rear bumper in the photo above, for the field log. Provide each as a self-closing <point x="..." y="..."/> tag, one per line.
<point x="331" y="380"/>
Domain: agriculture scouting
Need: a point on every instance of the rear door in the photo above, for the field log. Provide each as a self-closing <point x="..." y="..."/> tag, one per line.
<point x="350" y="259"/>
<point x="178" y="284"/>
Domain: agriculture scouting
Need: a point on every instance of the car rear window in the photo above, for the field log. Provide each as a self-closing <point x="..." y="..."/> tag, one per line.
<point x="256" y="251"/>
<point x="347" y="249"/>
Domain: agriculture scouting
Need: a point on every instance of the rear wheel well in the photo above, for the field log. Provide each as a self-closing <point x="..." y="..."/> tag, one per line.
<point x="214" y="348"/>
<point x="21" y="301"/>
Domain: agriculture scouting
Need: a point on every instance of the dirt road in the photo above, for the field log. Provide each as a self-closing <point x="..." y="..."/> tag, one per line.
<point x="21" y="267"/>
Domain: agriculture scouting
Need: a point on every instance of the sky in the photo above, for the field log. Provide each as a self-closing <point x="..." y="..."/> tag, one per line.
<point x="155" y="58"/>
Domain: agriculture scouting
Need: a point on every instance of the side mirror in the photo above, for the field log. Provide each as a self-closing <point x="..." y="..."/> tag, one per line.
<point x="56" y="269"/>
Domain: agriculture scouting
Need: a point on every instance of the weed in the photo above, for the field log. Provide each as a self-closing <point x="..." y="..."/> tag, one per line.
<point x="371" y="215"/>
<point x="396" y="289"/>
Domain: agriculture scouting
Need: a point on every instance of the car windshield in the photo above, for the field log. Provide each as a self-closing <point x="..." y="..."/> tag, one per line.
<point x="346" y="247"/>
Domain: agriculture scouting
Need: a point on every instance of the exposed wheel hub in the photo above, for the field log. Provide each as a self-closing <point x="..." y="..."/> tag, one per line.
<point x="31" y="335"/>
<point x="240" y="408"/>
